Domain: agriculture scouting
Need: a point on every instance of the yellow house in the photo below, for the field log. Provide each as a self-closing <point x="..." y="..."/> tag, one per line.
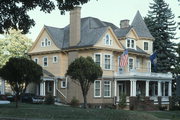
<point x="55" y="48"/>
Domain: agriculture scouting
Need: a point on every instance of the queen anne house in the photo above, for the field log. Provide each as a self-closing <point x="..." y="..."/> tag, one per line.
<point x="55" y="48"/>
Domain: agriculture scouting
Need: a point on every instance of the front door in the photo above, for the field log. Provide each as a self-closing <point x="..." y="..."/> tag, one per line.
<point x="121" y="89"/>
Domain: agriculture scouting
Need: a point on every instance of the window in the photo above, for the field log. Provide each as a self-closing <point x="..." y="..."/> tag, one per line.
<point x="97" y="58"/>
<point x="97" y="88"/>
<point x="55" y="59"/>
<point x="107" y="89"/>
<point x="45" y="42"/>
<point x="145" y="45"/>
<point x="108" y="40"/>
<point x="130" y="43"/>
<point x="36" y="60"/>
<point x="138" y="64"/>
<point x="49" y="86"/>
<point x="107" y="62"/>
<point x="63" y="84"/>
<point x="131" y="64"/>
<point x="45" y="61"/>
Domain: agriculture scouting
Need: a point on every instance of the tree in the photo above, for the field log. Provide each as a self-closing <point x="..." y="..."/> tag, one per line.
<point x="19" y="73"/>
<point x="85" y="71"/>
<point x="14" y="13"/>
<point x="177" y="62"/>
<point x="160" y="22"/>
<point x="14" y="44"/>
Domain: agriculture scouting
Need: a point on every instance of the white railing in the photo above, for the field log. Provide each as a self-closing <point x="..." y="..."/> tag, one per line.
<point x="144" y="74"/>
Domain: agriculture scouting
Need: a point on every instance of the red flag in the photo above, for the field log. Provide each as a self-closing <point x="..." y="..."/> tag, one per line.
<point x="124" y="59"/>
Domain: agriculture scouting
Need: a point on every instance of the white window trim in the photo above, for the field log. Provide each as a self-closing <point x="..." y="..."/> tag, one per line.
<point x="48" y="42"/>
<point x="144" y="46"/>
<point x="43" y="41"/>
<point x="43" y="61"/>
<point x="36" y="59"/>
<point x="138" y="66"/>
<point x="110" y="43"/>
<point x="100" y="58"/>
<point x="131" y="43"/>
<point x="95" y="89"/>
<point x="109" y="89"/>
<point x="57" y="59"/>
<point x="128" y="63"/>
<point x="110" y="62"/>
<point x="65" y="84"/>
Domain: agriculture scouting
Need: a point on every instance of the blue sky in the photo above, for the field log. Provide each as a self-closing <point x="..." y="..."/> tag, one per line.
<point x="107" y="10"/>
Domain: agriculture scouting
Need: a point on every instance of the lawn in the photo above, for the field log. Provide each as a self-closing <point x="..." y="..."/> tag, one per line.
<point x="53" y="112"/>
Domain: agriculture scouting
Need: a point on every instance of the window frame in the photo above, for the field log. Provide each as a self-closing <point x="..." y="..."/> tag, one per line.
<point x="138" y="63"/>
<point x="97" y="88"/>
<point x="109" y="42"/>
<point x="129" y="43"/>
<point x="100" y="58"/>
<point x="44" y="61"/>
<point x="129" y="64"/>
<point x="62" y="85"/>
<point x="109" y="88"/>
<point x="110" y="66"/>
<point x="146" y="46"/>
<point x="56" y="59"/>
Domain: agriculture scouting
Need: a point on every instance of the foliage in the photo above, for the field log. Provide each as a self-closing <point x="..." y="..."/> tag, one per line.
<point x="122" y="101"/>
<point x="177" y="62"/>
<point x="49" y="99"/>
<point x="14" y="13"/>
<point x="14" y="44"/>
<point x="19" y="73"/>
<point x="85" y="71"/>
<point x="74" y="102"/>
<point x="160" y="21"/>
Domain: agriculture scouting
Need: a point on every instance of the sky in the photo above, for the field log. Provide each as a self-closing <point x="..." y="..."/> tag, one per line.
<point x="106" y="10"/>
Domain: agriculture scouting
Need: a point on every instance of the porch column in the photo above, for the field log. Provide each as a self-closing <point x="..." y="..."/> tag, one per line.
<point x="115" y="88"/>
<point x="159" y="88"/>
<point x="134" y="87"/>
<point x="131" y="88"/>
<point x="54" y="93"/>
<point x="147" y="88"/>
<point x="41" y="89"/>
<point x="170" y="89"/>
<point x="44" y="88"/>
<point x="2" y="86"/>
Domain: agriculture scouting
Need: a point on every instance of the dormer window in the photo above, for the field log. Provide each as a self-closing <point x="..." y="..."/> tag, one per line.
<point x="107" y="40"/>
<point x="146" y="46"/>
<point x="130" y="43"/>
<point x="45" y="42"/>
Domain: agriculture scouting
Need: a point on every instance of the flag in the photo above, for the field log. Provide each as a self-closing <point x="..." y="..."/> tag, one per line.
<point x="124" y="59"/>
<point x="153" y="59"/>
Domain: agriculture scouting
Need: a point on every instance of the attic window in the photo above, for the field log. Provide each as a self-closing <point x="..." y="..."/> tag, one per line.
<point x="45" y="42"/>
<point x="107" y="40"/>
<point x="130" y="43"/>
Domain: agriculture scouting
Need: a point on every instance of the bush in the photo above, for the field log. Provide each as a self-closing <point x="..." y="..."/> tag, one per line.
<point x="74" y="102"/>
<point x="122" y="101"/>
<point x="49" y="99"/>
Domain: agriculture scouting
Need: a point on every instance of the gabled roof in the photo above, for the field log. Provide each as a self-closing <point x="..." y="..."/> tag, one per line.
<point x="140" y="27"/>
<point x="91" y="31"/>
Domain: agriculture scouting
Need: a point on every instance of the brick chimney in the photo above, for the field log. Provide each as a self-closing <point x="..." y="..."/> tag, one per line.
<point x="124" y="23"/>
<point x="75" y="26"/>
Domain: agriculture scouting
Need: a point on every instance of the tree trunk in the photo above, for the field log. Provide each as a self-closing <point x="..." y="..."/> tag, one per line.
<point x="16" y="100"/>
<point x="85" y="101"/>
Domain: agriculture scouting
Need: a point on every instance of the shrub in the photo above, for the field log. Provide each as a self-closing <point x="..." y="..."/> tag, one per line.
<point x="74" y="102"/>
<point x="122" y="101"/>
<point x="49" y="99"/>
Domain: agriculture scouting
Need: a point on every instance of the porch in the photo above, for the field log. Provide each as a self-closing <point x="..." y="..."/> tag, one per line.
<point x="144" y="85"/>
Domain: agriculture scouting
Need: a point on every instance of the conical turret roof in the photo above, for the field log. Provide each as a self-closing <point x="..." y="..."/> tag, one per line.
<point x="140" y="27"/>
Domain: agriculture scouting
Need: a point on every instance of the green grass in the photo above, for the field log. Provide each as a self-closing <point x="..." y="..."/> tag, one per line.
<point x="172" y="115"/>
<point x="54" y="112"/>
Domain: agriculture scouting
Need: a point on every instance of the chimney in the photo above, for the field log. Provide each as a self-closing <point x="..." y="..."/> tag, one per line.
<point x="75" y="26"/>
<point x="124" y="23"/>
